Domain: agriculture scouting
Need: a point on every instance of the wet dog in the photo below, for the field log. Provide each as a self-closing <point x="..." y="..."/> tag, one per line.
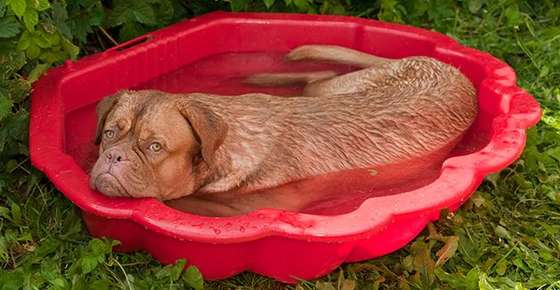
<point x="219" y="156"/>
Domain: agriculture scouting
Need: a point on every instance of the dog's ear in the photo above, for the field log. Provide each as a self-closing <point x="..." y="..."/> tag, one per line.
<point x="103" y="108"/>
<point x="209" y="128"/>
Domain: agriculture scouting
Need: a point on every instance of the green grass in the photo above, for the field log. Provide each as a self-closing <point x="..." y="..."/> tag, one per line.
<point x="506" y="237"/>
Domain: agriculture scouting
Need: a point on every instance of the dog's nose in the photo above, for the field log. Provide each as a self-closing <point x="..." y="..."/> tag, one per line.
<point x="114" y="156"/>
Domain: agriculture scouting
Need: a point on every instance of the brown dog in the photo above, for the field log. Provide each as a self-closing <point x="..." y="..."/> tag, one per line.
<point x="410" y="112"/>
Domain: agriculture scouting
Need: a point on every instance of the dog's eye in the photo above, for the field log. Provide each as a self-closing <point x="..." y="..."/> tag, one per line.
<point x="109" y="134"/>
<point x="155" y="147"/>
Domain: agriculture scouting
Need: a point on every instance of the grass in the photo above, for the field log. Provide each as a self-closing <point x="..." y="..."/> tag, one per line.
<point x="507" y="236"/>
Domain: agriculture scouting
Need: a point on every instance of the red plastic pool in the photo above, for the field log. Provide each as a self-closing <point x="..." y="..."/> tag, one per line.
<point x="212" y="53"/>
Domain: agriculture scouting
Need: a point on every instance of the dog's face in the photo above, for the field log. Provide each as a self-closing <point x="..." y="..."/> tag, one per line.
<point x="153" y="145"/>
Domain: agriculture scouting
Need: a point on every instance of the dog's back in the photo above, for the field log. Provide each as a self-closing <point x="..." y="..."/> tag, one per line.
<point x="397" y="118"/>
<point x="391" y="111"/>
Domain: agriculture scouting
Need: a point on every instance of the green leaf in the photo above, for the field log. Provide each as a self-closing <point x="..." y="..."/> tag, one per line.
<point x="453" y="281"/>
<point x="144" y="13"/>
<point x="42" y="5"/>
<point x="4" y="254"/>
<point x="53" y="56"/>
<point x="95" y="254"/>
<point x="96" y="16"/>
<point x="502" y="232"/>
<point x="521" y="265"/>
<point x="30" y="19"/>
<point x="471" y="280"/>
<point x="501" y="267"/>
<point x="17" y="6"/>
<point x="551" y="118"/>
<point x="9" y="27"/>
<point x="193" y="278"/>
<point x="238" y="5"/>
<point x="164" y="12"/>
<point x="130" y="30"/>
<point x="177" y="269"/>
<point x="12" y="279"/>
<point x="554" y="196"/>
<point x="99" y="247"/>
<point x="513" y="16"/>
<point x="16" y="213"/>
<point x="89" y="263"/>
<point x="474" y="5"/>
<point x="24" y="41"/>
<point x="484" y="284"/>
<point x="336" y="9"/>
<point x="173" y="271"/>
<point x="4" y="211"/>
<point x="79" y="29"/>
<point x="268" y="3"/>
<point x="390" y="10"/>
<point x="37" y="71"/>
<point x="302" y="5"/>
<point x="48" y="246"/>
<point x="554" y="152"/>
<point x="41" y="39"/>
<point x="52" y="38"/>
<point x="2" y="9"/>
<point x="33" y="51"/>
<point x="70" y="48"/>
<point x="119" y="14"/>
<point x="60" y="15"/>
<point x="5" y="107"/>
<point x="59" y="283"/>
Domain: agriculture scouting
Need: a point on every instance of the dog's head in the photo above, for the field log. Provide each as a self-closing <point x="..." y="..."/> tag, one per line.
<point x="153" y="144"/>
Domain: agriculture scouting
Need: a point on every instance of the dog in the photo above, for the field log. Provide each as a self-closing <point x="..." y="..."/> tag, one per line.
<point x="211" y="155"/>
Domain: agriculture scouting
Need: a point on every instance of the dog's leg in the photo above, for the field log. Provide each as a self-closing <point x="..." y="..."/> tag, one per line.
<point x="336" y="54"/>
<point x="360" y="82"/>
<point x="286" y="79"/>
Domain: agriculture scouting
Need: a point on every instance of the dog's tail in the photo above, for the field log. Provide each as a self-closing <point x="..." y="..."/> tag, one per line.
<point x="319" y="53"/>
<point x="336" y="54"/>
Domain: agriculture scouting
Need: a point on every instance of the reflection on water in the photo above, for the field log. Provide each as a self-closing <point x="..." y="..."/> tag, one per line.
<point x="223" y="74"/>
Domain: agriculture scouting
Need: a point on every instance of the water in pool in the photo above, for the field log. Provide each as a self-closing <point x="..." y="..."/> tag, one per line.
<point x="223" y="74"/>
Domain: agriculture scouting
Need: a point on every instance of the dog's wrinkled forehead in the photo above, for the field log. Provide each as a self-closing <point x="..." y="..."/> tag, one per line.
<point x="132" y="107"/>
<point x="147" y="115"/>
<point x="129" y="105"/>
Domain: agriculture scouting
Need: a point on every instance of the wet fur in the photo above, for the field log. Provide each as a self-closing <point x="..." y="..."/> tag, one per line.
<point x="389" y="112"/>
